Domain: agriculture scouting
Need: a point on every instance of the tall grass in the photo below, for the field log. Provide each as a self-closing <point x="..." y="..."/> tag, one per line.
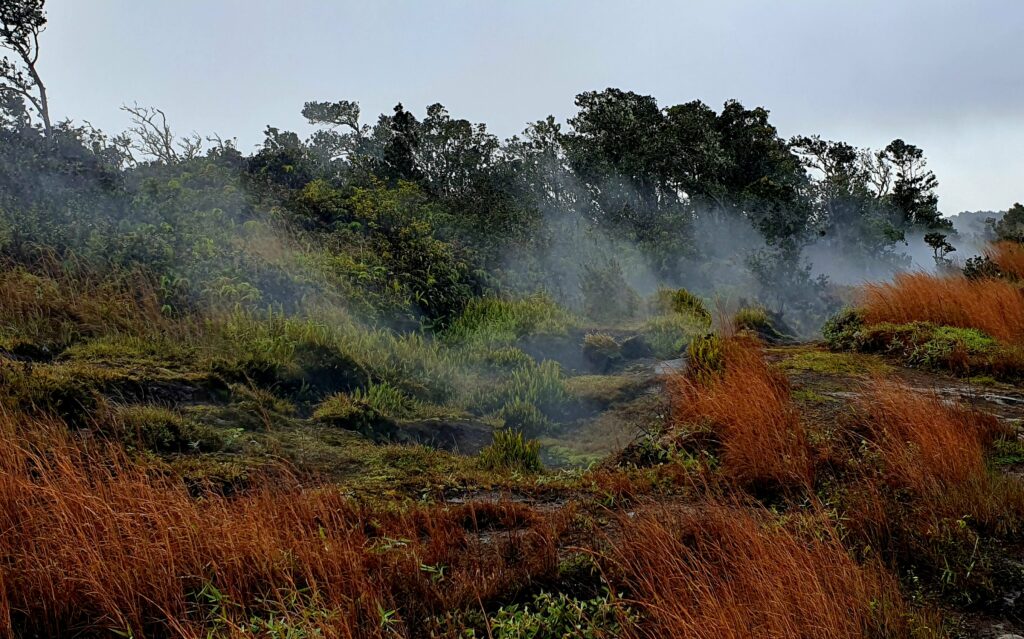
<point x="936" y="451"/>
<point x="92" y="543"/>
<point x="719" y="571"/>
<point x="994" y="306"/>
<point x="748" y="405"/>
<point x="1008" y="257"/>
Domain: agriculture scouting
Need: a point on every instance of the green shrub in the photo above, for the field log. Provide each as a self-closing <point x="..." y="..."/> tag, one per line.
<point x="758" y="321"/>
<point x="511" y="450"/>
<point x="159" y="429"/>
<point x="607" y="297"/>
<point x="668" y="335"/>
<point x="492" y="320"/>
<point x="541" y="385"/>
<point x="524" y="417"/>
<point x="682" y="301"/>
<point x="345" y="411"/>
<point x="387" y="400"/>
<point x="550" y="616"/>
<point x="507" y="357"/>
<point x="705" y="357"/>
<point x="842" y="329"/>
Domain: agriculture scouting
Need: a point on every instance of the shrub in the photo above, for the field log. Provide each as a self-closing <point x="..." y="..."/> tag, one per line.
<point x="342" y="409"/>
<point x="162" y="430"/>
<point x="386" y="400"/>
<point x="549" y="616"/>
<point x="524" y="417"/>
<point x="757" y="320"/>
<point x="668" y="335"/>
<point x="607" y="297"/>
<point x="842" y="329"/>
<point x="980" y="267"/>
<point x="540" y="385"/>
<point x="511" y="450"/>
<point x="493" y="320"/>
<point x="682" y="301"/>
<point x="704" y="358"/>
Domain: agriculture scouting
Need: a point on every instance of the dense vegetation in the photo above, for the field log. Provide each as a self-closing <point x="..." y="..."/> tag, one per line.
<point x="405" y="379"/>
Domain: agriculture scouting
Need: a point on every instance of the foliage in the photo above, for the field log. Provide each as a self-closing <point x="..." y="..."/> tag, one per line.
<point x="490" y="321"/>
<point x="705" y="357"/>
<point x="607" y="297"/>
<point x="511" y="450"/>
<point x="524" y="417"/>
<point x="681" y="301"/>
<point x="549" y="616"/>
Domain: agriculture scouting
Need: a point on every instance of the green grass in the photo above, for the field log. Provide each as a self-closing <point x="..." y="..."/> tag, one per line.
<point x="511" y="450"/>
<point x="963" y="351"/>
<point x="829" y="363"/>
<point x="493" y="321"/>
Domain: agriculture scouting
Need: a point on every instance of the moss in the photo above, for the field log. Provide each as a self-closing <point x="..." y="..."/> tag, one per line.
<point x="828" y="363"/>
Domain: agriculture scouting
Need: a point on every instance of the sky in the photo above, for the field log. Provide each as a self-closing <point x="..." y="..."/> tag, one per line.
<point x="946" y="76"/>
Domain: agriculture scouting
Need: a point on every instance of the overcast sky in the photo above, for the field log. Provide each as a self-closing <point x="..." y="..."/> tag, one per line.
<point x="947" y="76"/>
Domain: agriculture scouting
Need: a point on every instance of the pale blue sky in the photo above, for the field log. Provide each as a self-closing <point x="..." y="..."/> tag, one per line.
<point x="947" y="76"/>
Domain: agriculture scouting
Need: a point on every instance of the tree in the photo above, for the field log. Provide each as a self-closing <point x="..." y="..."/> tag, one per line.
<point x="21" y="22"/>
<point x="151" y="135"/>
<point x="335" y="114"/>
<point x="940" y="246"/>
<point x="913" y="191"/>
<point x="1011" y="227"/>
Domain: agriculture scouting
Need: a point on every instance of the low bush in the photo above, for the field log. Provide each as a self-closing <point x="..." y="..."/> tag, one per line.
<point x="511" y="451"/>
<point x="1008" y="258"/>
<point x="524" y="417"/>
<point x="681" y="301"/>
<point x="601" y="350"/>
<point x="705" y="358"/>
<point x="493" y="321"/>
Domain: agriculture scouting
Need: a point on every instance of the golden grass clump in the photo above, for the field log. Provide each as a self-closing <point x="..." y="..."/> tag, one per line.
<point x="994" y="306"/>
<point x="94" y="543"/>
<point x="750" y="408"/>
<point x="1008" y="257"/>
<point x="719" y="571"/>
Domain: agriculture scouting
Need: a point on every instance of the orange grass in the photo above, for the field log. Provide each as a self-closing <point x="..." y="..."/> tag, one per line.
<point x="92" y="543"/>
<point x="994" y="306"/>
<point x="750" y="409"/>
<point x="1008" y="256"/>
<point x="723" y="572"/>
<point x="936" y="450"/>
